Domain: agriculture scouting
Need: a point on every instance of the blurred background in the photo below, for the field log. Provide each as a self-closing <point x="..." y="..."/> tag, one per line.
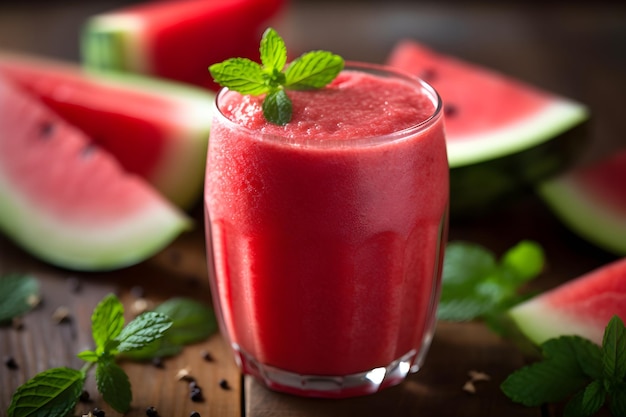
<point x="574" y="48"/>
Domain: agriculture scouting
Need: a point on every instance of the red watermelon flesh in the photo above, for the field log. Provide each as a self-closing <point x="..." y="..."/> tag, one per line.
<point x="177" y="39"/>
<point x="156" y="129"/>
<point x="591" y="200"/>
<point x="581" y="307"/>
<point x="71" y="203"/>
<point x="487" y="114"/>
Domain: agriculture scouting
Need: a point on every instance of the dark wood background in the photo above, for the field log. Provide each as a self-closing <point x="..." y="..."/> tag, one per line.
<point x="577" y="49"/>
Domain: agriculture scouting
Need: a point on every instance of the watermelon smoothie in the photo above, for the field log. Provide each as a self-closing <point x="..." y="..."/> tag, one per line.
<point x="325" y="236"/>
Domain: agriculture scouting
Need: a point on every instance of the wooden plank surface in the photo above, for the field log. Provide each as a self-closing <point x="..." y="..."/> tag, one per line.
<point x="574" y="49"/>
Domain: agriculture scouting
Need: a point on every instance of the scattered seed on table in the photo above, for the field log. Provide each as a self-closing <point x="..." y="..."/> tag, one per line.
<point x="224" y="384"/>
<point x="10" y="363"/>
<point x="84" y="397"/>
<point x="196" y="394"/>
<point x="97" y="412"/>
<point x="157" y="362"/>
<point x="206" y="355"/>
<point x="152" y="412"/>
<point x="61" y="315"/>
<point x="194" y="414"/>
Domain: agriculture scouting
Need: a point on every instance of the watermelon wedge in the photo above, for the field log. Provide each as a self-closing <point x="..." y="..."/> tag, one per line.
<point x="582" y="306"/>
<point x="154" y="128"/>
<point x="176" y="39"/>
<point x="68" y="202"/>
<point x="502" y="134"/>
<point x="591" y="201"/>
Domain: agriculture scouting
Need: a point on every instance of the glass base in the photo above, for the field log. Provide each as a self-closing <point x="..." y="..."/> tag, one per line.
<point x="322" y="386"/>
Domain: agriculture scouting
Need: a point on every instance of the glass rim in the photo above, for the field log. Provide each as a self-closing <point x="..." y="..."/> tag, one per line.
<point x="312" y="142"/>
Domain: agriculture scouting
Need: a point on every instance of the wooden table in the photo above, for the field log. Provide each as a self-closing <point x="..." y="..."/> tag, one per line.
<point x="577" y="50"/>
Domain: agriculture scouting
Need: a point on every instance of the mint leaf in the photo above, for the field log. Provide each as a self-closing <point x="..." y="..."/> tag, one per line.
<point x="310" y="71"/>
<point x="273" y="51"/>
<point x="113" y="384"/>
<point x="107" y="321"/>
<point x="477" y="286"/>
<point x="523" y="261"/>
<point x="614" y="350"/>
<point x="143" y="330"/>
<point x="88" y="356"/>
<point x="554" y="379"/>
<point x="313" y="70"/>
<point x="617" y="401"/>
<point x="586" y="402"/>
<point x="192" y="321"/>
<point x="15" y="292"/>
<point x="240" y="74"/>
<point x="277" y="108"/>
<point x="54" y="392"/>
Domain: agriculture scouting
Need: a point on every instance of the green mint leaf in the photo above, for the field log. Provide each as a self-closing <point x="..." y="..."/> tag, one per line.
<point x="54" y="392"/>
<point x="310" y="71"/>
<point x="113" y="384"/>
<point x="586" y="402"/>
<point x="554" y="379"/>
<point x="523" y="261"/>
<point x="15" y="293"/>
<point x="614" y="350"/>
<point x="192" y="321"/>
<point x="617" y="401"/>
<point x="273" y="51"/>
<point x="240" y="74"/>
<point x="88" y="356"/>
<point x="465" y="267"/>
<point x="277" y="107"/>
<point x="107" y="321"/>
<point x="143" y="330"/>
<point x="313" y="70"/>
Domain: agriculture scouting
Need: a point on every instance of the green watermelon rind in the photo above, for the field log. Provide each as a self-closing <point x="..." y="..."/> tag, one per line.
<point x="547" y="123"/>
<point x="539" y="322"/>
<point x="109" y="42"/>
<point x="118" y="245"/>
<point x="601" y="225"/>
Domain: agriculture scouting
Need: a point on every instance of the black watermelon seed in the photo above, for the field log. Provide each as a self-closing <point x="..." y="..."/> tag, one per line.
<point x="194" y="414"/>
<point x="428" y="74"/>
<point x="207" y="356"/>
<point x="97" y="412"/>
<point x="152" y="412"/>
<point x="450" y="110"/>
<point x="11" y="363"/>
<point x="196" y="395"/>
<point x="157" y="362"/>
<point x="224" y="384"/>
<point x="84" y="397"/>
<point x="46" y="129"/>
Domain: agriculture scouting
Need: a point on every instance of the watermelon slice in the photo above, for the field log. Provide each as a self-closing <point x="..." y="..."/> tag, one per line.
<point x="502" y="134"/>
<point x="156" y="129"/>
<point x="177" y="39"/>
<point x="68" y="202"/>
<point x="591" y="200"/>
<point x="580" y="307"/>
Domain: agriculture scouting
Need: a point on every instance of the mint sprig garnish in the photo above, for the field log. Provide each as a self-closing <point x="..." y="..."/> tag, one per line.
<point x="162" y="332"/>
<point x="476" y="285"/>
<point x="312" y="70"/>
<point x="575" y="369"/>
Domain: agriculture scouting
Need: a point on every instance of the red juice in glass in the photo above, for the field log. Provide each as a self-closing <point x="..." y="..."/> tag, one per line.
<point x="325" y="237"/>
